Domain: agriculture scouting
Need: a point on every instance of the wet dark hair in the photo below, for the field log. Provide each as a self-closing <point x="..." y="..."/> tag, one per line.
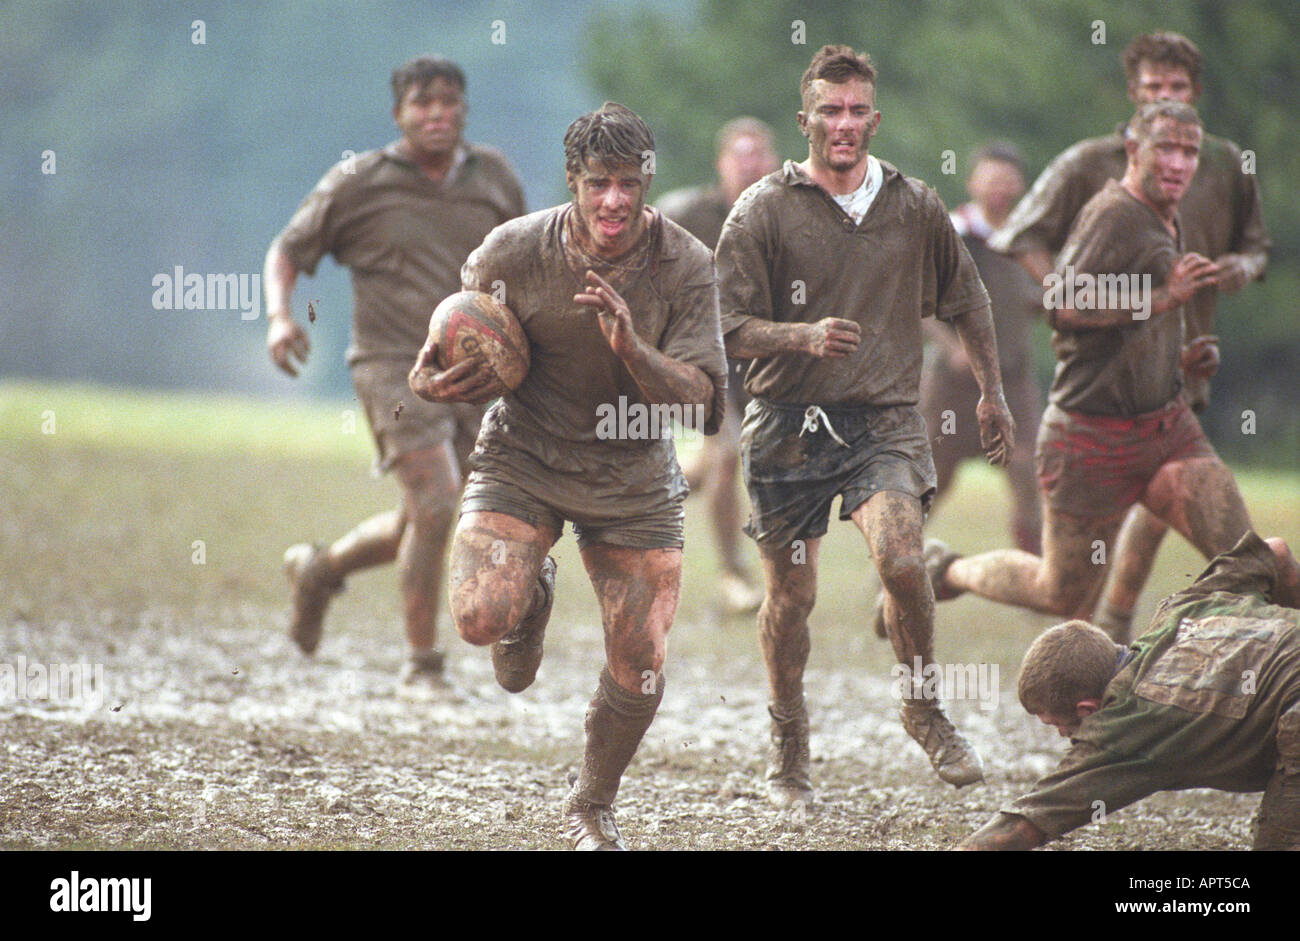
<point x="1001" y="151"/>
<point x="835" y="64"/>
<point x="1162" y="49"/>
<point x="1144" y="119"/>
<point x="421" y="71"/>
<point x="613" y="135"/>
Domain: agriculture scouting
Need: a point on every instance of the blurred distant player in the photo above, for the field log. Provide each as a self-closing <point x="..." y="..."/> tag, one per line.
<point x="1209" y="696"/>
<point x="746" y="154"/>
<point x="404" y="219"/>
<point x="949" y="392"/>
<point x="620" y="307"/>
<point x="1117" y="431"/>
<point x="826" y="270"/>
<point x="1221" y="219"/>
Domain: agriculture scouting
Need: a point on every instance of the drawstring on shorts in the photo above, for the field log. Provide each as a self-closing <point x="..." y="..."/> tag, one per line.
<point x="814" y="414"/>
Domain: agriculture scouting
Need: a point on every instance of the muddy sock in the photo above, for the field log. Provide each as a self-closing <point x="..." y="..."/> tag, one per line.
<point x="784" y="712"/>
<point x="616" y="722"/>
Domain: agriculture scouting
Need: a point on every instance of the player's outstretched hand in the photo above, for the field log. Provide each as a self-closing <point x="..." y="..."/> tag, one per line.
<point x="997" y="429"/>
<point x="1191" y="273"/>
<point x="833" y="337"/>
<point x="285" y="339"/>
<point x="471" y="380"/>
<point x="1200" y="358"/>
<point x="614" y="316"/>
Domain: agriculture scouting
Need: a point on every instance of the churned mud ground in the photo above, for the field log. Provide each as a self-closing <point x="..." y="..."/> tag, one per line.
<point x="214" y="732"/>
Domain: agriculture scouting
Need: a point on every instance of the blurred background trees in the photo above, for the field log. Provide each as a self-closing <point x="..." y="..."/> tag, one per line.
<point x="175" y="153"/>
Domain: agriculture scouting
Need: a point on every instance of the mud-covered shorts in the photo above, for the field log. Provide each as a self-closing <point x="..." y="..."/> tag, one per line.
<point x="1100" y="465"/>
<point x="798" y="458"/>
<point x="614" y="496"/>
<point x="381" y="386"/>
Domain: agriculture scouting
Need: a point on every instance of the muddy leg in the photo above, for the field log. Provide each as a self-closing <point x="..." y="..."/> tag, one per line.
<point x="1135" y="554"/>
<point x="431" y="484"/>
<point x="495" y="561"/>
<point x="790" y="579"/>
<point x="638" y="591"/>
<point x="1063" y="582"/>
<point x="1199" y="498"/>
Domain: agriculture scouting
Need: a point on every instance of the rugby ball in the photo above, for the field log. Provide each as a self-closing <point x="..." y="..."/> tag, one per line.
<point x="471" y="324"/>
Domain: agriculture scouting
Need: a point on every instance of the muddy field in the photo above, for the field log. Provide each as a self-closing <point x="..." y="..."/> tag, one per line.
<point x="214" y="732"/>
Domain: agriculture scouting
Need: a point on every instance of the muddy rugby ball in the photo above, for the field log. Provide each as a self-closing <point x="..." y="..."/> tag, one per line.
<point x="471" y="324"/>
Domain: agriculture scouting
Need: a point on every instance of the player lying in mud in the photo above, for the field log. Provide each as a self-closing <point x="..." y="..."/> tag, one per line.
<point x="1209" y="696"/>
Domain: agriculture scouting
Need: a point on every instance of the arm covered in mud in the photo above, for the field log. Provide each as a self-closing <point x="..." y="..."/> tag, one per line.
<point x="828" y="338"/>
<point x="662" y="379"/>
<point x="997" y="427"/>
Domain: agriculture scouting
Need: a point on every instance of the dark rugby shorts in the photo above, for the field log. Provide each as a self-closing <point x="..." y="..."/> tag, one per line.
<point x="1100" y="465"/>
<point x="794" y="466"/>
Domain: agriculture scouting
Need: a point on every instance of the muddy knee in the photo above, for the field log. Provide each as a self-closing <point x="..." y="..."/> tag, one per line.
<point x="904" y="575"/>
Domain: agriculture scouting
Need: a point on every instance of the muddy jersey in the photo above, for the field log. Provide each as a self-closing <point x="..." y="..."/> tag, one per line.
<point x="1196" y="703"/>
<point x="1220" y="213"/>
<point x="1133" y="368"/>
<point x="579" y="413"/>
<point x="788" y="253"/>
<point x="701" y="211"/>
<point x="403" y="236"/>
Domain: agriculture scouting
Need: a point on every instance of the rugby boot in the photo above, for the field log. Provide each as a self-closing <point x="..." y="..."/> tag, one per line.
<point x="312" y="586"/>
<point x="591" y="827"/>
<point x="616" y="722"/>
<point x="954" y="759"/>
<point x="937" y="557"/>
<point x="789" y="783"/>
<point x="516" y="657"/>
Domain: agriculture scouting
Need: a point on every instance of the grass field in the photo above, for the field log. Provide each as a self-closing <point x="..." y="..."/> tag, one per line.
<point x="144" y="533"/>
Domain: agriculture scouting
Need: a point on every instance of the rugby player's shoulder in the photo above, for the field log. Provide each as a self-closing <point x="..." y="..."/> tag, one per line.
<point x="756" y="199"/>
<point x="353" y="171"/>
<point x="917" y="193"/>
<point x="679" y="202"/>
<point x="490" y="158"/>
<point x="519" y="230"/>
<point x="679" y="242"/>
<point x="1089" y="151"/>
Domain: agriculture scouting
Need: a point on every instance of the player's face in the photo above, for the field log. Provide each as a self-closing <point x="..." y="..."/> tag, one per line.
<point x="839" y="122"/>
<point x="745" y="160"/>
<point x="995" y="185"/>
<point x="1156" y="80"/>
<point x="610" y="201"/>
<point x="431" y="117"/>
<point x="1167" y="161"/>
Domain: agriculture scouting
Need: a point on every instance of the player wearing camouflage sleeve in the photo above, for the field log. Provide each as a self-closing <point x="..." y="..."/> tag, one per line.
<point x="1209" y="696"/>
